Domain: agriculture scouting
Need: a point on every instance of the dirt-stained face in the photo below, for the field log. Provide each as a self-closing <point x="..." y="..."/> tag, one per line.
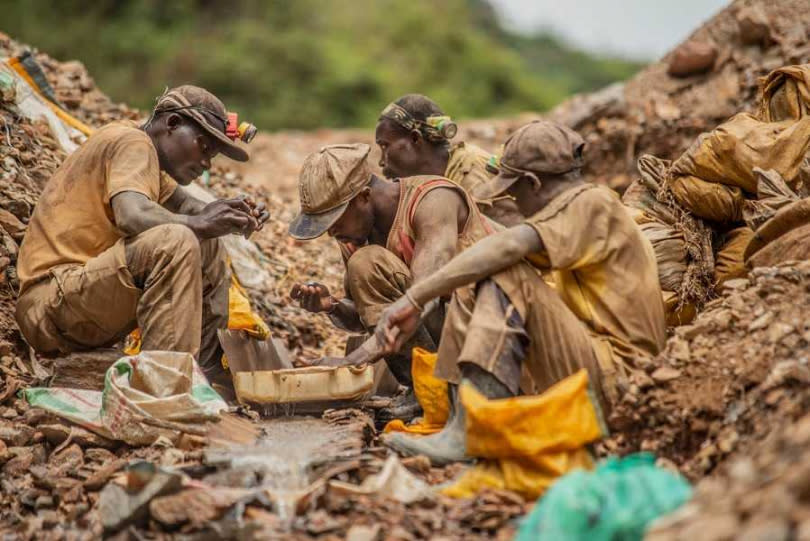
<point x="355" y="225"/>
<point x="401" y="153"/>
<point x="525" y="193"/>
<point x="185" y="149"/>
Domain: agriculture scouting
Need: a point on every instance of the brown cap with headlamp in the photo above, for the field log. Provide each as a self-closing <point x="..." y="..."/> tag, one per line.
<point x="209" y="112"/>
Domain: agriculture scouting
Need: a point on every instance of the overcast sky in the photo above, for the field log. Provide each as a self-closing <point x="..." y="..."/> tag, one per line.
<point x="642" y="29"/>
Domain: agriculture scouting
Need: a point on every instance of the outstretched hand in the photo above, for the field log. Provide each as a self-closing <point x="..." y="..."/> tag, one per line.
<point x="397" y="324"/>
<point x="312" y="297"/>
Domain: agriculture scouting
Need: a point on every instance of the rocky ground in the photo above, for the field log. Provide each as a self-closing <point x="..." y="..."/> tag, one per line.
<point x="726" y="403"/>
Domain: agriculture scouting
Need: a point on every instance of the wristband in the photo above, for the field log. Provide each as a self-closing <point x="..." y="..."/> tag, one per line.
<point x="415" y="304"/>
<point x="335" y="303"/>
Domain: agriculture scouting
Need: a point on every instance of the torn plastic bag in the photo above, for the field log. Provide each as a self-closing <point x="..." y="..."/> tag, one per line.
<point x="618" y="500"/>
<point x="152" y="394"/>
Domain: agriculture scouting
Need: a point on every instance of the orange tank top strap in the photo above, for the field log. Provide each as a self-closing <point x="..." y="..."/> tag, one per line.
<point x="401" y="238"/>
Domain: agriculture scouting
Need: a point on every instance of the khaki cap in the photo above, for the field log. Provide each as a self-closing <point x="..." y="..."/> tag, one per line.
<point x="540" y="147"/>
<point x="206" y="110"/>
<point x="329" y="180"/>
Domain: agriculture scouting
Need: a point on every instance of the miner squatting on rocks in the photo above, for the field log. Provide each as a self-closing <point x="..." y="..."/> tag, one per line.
<point x="672" y="376"/>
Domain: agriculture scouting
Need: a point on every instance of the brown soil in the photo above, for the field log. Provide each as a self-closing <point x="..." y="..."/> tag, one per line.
<point x="726" y="403"/>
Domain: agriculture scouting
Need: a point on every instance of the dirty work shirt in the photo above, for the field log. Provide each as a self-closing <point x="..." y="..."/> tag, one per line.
<point x="605" y="271"/>
<point x="73" y="221"/>
<point x="467" y="167"/>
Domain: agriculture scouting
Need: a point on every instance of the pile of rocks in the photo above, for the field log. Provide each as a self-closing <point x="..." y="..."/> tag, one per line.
<point x="724" y="382"/>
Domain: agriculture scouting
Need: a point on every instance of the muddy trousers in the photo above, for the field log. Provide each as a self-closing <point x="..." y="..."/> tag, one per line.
<point x="164" y="280"/>
<point x="375" y="278"/>
<point x="526" y="353"/>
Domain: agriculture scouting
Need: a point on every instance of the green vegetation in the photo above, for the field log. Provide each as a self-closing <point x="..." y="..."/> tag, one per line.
<point x="302" y="64"/>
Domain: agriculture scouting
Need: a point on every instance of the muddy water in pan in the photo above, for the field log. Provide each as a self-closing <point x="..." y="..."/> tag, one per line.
<point x="286" y="457"/>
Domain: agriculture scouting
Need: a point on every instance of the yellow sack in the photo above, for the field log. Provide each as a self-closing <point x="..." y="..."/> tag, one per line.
<point x="729" y="154"/>
<point x="730" y="259"/>
<point x="708" y="200"/>
<point x="786" y="219"/>
<point x="677" y="316"/>
<point x="240" y="317"/>
<point x="785" y="94"/>
<point x="430" y="391"/>
<point x="793" y="245"/>
<point x="527" y="479"/>
<point x="528" y="441"/>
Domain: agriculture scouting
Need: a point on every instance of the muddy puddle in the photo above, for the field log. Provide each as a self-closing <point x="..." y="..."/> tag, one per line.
<point x="285" y="461"/>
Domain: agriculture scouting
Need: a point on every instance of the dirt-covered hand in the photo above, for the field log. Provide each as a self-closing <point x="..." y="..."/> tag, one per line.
<point x="313" y="297"/>
<point x="397" y="323"/>
<point x="258" y="209"/>
<point x="223" y="217"/>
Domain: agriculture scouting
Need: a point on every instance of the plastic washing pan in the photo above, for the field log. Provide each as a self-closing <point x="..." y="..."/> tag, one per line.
<point x="313" y="384"/>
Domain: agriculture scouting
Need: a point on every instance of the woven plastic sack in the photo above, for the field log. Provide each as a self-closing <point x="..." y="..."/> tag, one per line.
<point x="728" y="154"/>
<point x="730" y="258"/>
<point x="708" y="200"/>
<point x="152" y="394"/>
<point x="670" y="253"/>
<point x="785" y="94"/>
<point x="616" y="502"/>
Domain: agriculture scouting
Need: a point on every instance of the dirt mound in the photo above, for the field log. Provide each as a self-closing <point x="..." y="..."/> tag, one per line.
<point x="763" y="494"/>
<point x="656" y="113"/>
<point x="725" y="398"/>
<point x="723" y="383"/>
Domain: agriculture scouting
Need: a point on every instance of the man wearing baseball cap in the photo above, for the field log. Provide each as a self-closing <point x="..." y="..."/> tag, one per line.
<point x="115" y="243"/>
<point x="606" y="310"/>
<point x="392" y="234"/>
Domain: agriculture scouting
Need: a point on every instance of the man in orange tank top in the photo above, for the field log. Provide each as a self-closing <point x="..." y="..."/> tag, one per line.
<point x="392" y="234"/>
<point x="604" y="312"/>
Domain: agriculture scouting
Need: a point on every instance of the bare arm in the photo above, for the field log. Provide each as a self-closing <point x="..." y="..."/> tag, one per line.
<point x="182" y="202"/>
<point x="135" y="213"/>
<point x="345" y="316"/>
<point x="483" y="259"/>
<point x="436" y="227"/>
<point x="486" y="257"/>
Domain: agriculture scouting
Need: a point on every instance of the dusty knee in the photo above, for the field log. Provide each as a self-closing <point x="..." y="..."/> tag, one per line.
<point x="176" y="240"/>
<point x="367" y="261"/>
<point x="376" y="275"/>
